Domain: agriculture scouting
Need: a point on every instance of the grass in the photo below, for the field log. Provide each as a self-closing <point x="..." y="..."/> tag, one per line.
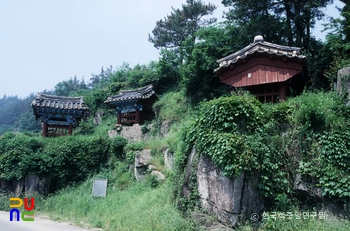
<point x="299" y="225"/>
<point x="136" y="207"/>
<point x="131" y="205"/>
<point x="172" y="106"/>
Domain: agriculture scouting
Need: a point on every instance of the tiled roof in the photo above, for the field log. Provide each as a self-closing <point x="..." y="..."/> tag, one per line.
<point x="260" y="46"/>
<point x="140" y="93"/>
<point x="59" y="102"/>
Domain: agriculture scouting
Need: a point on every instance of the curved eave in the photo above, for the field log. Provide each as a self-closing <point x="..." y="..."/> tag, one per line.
<point x="59" y="106"/>
<point x="59" y="102"/>
<point x="135" y="94"/>
<point x="260" y="47"/>
<point x="227" y="63"/>
<point x="120" y="99"/>
<point x="59" y="98"/>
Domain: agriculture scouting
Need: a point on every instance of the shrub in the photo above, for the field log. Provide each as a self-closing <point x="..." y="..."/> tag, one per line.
<point x="18" y="155"/>
<point x="171" y="106"/>
<point x="307" y="134"/>
<point x="72" y="159"/>
<point x="117" y="145"/>
<point x="63" y="160"/>
<point x="221" y="128"/>
<point x="131" y="150"/>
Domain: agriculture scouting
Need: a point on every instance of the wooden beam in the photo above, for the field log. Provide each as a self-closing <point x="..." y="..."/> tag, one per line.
<point x="119" y="118"/>
<point x="283" y="91"/>
<point x="137" y="118"/>
<point x="70" y="128"/>
<point x="44" y="129"/>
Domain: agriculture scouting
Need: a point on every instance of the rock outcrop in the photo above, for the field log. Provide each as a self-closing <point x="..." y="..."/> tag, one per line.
<point x="309" y="191"/>
<point x="29" y="185"/>
<point x="98" y="117"/>
<point x="165" y="128"/>
<point x="206" y="222"/>
<point x="142" y="159"/>
<point x="343" y="81"/>
<point x="158" y="175"/>
<point x="142" y="166"/>
<point x="168" y="159"/>
<point x="231" y="200"/>
<point x="132" y="133"/>
<point x="136" y="132"/>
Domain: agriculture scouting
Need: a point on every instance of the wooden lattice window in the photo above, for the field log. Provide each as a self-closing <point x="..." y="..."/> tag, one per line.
<point x="57" y="130"/>
<point x="269" y="93"/>
<point x="128" y="118"/>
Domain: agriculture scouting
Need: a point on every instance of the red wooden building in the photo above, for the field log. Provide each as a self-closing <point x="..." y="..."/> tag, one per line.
<point x="268" y="70"/>
<point x="133" y="106"/>
<point x="58" y="114"/>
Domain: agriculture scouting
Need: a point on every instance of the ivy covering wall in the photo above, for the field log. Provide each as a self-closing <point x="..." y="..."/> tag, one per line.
<point x="306" y="136"/>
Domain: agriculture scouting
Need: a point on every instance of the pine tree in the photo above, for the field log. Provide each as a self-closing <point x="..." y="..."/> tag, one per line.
<point x="181" y="24"/>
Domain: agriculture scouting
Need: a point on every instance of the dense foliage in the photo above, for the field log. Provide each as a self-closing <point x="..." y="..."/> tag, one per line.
<point x="221" y="128"/>
<point x="62" y="160"/>
<point x="139" y="206"/>
<point x="16" y="114"/>
<point x="191" y="43"/>
<point x="280" y="21"/>
<point x="338" y="41"/>
<point x="307" y="135"/>
<point x="181" y="24"/>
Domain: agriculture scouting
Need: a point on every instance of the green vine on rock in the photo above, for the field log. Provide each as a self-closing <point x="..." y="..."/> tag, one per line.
<point x="335" y="161"/>
<point x="221" y="131"/>
<point x="306" y="135"/>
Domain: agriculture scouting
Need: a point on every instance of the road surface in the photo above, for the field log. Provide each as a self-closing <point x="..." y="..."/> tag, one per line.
<point x="39" y="224"/>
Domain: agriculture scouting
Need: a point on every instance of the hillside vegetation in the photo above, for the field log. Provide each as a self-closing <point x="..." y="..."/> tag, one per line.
<point x="306" y="135"/>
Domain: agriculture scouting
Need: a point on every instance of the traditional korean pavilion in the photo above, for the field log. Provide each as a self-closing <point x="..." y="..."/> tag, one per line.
<point x="268" y="70"/>
<point x="133" y="106"/>
<point x="59" y="115"/>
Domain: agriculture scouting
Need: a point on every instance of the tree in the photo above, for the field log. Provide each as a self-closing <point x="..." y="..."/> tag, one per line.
<point x="101" y="79"/>
<point x="176" y="35"/>
<point x="339" y="31"/>
<point x="126" y="77"/>
<point x="17" y="113"/>
<point x="337" y="41"/>
<point x="214" y="42"/>
<point x="181" y="24"/>
<point x="318" y="59"/>
<point x="141" y="75"/>
<point x="69" y="87"/>
<point x="345" y="22"/>
<point x="289" y="20"/>
<point x="255" y="16"/>
<point x="26" y="120"/>
<point x="168" y="71"/>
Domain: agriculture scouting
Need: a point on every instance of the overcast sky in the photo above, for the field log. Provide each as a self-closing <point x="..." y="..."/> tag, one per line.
<point x="44" y="42"/>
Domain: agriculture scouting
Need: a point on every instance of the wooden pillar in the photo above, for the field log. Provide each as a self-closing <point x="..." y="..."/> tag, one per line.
<point x="44" y="129"/>
<point x="119" y="118"/>
<point x="137" y="118"/>
<point x="283" y="91"/>
<point x="70" y="128"/>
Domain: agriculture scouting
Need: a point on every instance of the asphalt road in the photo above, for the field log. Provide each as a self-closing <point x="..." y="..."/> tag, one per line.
<point x="38" y="224"/>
